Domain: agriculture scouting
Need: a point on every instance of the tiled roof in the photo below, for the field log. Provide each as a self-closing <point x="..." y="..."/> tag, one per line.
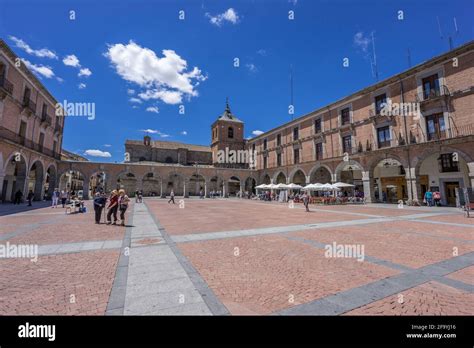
<point x="171" y="145"/>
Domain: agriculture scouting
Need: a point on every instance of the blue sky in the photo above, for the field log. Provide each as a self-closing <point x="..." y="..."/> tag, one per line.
<point x="120" y="46"/>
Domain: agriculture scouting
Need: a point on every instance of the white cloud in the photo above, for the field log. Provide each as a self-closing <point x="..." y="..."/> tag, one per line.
<point x="71" y="60"/>
<point x="153" y="109"/>
<point x="164" y="78"/>
<point x="84" y="72"/>
<point x="155" y="131"/>
<point x="107" y="145"/>
<point x="184" y="133"/>
<point x="228" y="16"/>
<point x="262" y="52"/>
<point x="257" y="132"/>
<point x="97" y="153"/>
<point x="294" y="2"/>
<point x="43" y="70"/>
<point x="361" y="41"/>
<point x="252" y="67"/>
<point x="130" y="91"/>
<point x="135" y="100"/>
<point x="42" y="53"/>
<point x="82" y="86"/>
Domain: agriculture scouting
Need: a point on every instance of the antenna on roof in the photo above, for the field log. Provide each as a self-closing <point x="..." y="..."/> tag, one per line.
<point x="373" y="63"/>
<point x="450" y="36"/>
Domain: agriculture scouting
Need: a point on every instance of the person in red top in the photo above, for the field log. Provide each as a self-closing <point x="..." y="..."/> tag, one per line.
<point x="113" y="207"/>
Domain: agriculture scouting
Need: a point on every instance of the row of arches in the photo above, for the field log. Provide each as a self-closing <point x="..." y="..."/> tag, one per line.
<point x="153" y="184"/>
<point x="20" y="176"/>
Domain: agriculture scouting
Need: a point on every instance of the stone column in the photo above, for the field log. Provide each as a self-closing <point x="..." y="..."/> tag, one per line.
<point x="85" y="188"/>
<point x="185" y="188"/>
<point x="162" y="194"/>
<point x="379" y="188"/>
<point x="412" y="184"/>
<point x="206" y="184"/>
<point x="470" y="165"/>
<point x="242" y="186"/>
<point x="225" y="189"/>
<point x="333" y="178"/>
<point x="308" y="179"/>
<point x="2" y="178"/>
<point x="368" y="187"/>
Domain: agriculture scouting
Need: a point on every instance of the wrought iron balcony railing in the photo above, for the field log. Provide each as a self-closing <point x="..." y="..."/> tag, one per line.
<point x="21" y="140"/>
<point x="6" y="85"/>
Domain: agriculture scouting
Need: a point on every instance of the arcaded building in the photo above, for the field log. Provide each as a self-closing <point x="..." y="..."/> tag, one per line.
<point x="394" y="140"/>
<point x="30" y="134"/>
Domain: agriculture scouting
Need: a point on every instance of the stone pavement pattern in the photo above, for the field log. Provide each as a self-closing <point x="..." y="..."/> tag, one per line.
<point x="229" y="256"/>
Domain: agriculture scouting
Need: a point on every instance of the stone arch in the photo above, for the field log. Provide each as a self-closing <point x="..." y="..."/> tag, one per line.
<point x="280" y="178"/>
<point x="15" y="176"/>
<point x="197" y="182"/>
<point x="250" y="184"/>
<point x="127" y="181"/>
<point x="99" y="181"/>
<point x="175" y="182"/>
<point x="266" y="179"/>
<point x="295" y="171"/>
<point x="152" y="184"/>
<point x="418" y="160"/>
<point x="36" y="175"/>
<point x="51" y="181"/>
<point x="321" y="174"/>
<point x="278" y="174"/>
<point x="216" y="184"/>
<point x="374" y="161"/>
<point x="343" y="165"/>
<point x="234" y="185"/>
<point x="298" y="177"/>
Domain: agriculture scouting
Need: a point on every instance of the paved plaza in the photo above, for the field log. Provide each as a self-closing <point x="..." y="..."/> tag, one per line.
<point x="239" y="257"/>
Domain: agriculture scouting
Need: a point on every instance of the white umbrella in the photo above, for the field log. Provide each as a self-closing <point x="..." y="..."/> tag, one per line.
<point x="281" y="186"/>
<point x="294" y="186"/>
<point x="329" y="187"/>
<point x="342" y="184"/>
<point x="261" y="186"/>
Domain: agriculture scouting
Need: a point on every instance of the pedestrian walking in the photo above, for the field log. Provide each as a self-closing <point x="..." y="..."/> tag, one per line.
<point x="437" y="198"/>
<point x="55" y="198"/>
<point x="30" y="197"/>
<point x="171" y="197"/>
<point x="99" y="204"/>
<point x="18" y="196"/>
<point x="428" y="198"/>
<point x="123" y="201"/>
<point x="63" y="197"/>
<point x="306" y="201"/>
<point x="112" y="208"/>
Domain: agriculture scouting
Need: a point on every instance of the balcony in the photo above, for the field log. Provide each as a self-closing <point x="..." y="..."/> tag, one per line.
<point x="21" y="140"/>
<point x="29" y="107"/>
<point x="46" y="120"/>
<point x="6" y="85"/>
<point x="58" y="128"/>
<point x="432" y="94"/>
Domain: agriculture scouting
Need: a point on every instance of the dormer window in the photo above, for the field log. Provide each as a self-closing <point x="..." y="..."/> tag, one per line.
<point x="230" y="133"/>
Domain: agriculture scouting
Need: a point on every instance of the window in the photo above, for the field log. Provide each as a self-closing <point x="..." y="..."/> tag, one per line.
<point x="296" y="156"/>
<point x="264" y="144"/>
<point x="44" y="111"/>
<point x="430" y="86"/>
<point x="319" y="151"/>
<point x="295" y="133"/>
<point x="278" y="139"/>
<point x="41" y="142"/>
<point x="379" y="101"/>
<point x="447" y="163"/>
<point x="279" y="159"/>
<point x="230" y="133"/>
<point x="264" y="162"/>
<point x="168" y="160"/>
<point x="435" y="128"/>
<point x="347" y="144"/>
<point x="383" y="136"/>
<point x="317" y="125"/>
<point x="345" y="116"/>
<point x="253" y="147"/>
<point x="26" y="96"/>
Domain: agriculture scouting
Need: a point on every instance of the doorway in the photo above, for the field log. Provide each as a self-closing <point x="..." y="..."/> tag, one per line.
<point x="450" y="190"/>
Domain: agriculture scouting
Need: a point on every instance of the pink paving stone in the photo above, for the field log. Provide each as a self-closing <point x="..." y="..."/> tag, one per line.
<point x="465" y="275"/>
<point x="45" y="287"/>
<point x="271" y="270"/>
<point x="371" y="210"/>
<point x="218" y="215"/>
<point x="431" y="298"/>
<point x="392" y="242"/>
<point x="455" y="219"/>
<point x="71" y="228"/>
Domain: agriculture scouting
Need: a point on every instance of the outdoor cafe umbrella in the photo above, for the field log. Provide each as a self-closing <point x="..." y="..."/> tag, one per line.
<point x="342" y="184"/>
<point x="294" y="186"/>
<point x="281" y="186"/>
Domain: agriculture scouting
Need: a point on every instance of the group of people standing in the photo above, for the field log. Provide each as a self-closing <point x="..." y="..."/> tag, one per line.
<point x="117" y="202"/>
<point x="432" y="198"/>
